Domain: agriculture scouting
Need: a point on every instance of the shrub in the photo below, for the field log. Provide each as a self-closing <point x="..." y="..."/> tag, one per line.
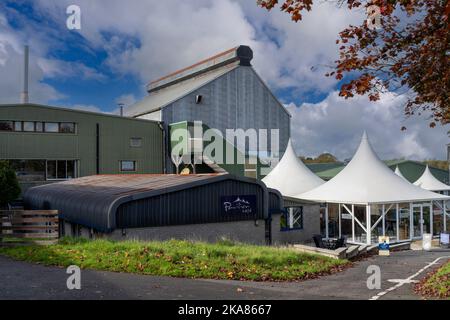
<point x="9" y="186"/>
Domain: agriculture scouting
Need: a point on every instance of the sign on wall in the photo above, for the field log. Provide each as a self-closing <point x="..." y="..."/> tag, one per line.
<point x="241" y="204"/>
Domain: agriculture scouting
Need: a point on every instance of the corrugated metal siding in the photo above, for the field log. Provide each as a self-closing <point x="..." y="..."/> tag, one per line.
<point x="237" y="99"/>
<point x="275" y="200"/>
<point x="190" y="206"/>
<point x="145" y="200"/>
<point x="115" y="134"/>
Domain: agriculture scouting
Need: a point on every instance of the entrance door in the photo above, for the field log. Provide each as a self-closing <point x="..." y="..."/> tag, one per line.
<point x="416" y="221"/>
<point x="422" y="220"/>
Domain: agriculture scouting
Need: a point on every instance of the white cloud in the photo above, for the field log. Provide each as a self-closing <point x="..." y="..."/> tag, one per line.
<point x="126" y="99"/>
<point x="335" y="125"/>
<point x="152" y="38"/>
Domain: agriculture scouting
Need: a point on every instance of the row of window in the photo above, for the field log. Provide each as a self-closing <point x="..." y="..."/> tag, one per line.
<point x="37" y="126"/>
<point x="43" y="170"/>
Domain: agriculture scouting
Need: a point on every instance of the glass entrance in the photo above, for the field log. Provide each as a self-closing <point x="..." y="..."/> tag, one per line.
<point x="416" y="221"/>
<point x="421" y="219"/>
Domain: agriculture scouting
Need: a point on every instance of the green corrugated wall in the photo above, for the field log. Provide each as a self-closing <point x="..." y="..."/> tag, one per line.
<point x="115" y="134"/>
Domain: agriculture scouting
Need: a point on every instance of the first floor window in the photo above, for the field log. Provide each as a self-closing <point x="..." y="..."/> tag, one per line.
<point x="127" y="165"/>
<point x="51" y="127"/>
<point x="292" y="219"/>
<point x="6" y="126"/>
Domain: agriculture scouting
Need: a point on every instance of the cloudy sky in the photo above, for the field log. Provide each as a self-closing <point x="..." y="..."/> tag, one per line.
<point x="123" y="45"/>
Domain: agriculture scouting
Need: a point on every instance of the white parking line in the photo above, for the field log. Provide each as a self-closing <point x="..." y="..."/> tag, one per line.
<point x="401" y="282"/>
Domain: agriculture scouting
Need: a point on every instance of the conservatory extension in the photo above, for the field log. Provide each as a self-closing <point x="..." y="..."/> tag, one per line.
<point x="367" y="200"/>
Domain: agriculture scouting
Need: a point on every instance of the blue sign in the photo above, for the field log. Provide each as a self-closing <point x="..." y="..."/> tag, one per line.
<point x="242" y="204"/>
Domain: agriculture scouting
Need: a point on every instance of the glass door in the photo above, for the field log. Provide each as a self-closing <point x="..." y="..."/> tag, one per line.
<point x="417" y="221"/>
<point x="426" y="219"/>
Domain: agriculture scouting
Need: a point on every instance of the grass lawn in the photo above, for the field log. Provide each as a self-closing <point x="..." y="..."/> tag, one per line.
<point x="437" y="284"/>
<point x="223" y="260"/>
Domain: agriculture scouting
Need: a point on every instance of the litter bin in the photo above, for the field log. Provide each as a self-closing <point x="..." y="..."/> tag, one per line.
<point x="426" y="241"/>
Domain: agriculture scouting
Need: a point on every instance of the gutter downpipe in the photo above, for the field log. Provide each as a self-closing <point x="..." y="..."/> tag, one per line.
<point x="163" y="146"/>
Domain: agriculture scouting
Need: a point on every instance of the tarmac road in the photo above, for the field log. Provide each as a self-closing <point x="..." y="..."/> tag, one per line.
<point x="21" y="280"/>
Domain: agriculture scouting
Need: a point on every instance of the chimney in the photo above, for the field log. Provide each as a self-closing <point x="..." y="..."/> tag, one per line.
<point x="121" y="105"/>
<point x="24" y="94"/>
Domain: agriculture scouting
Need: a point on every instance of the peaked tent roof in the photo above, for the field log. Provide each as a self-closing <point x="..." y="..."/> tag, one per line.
<point x="291" y="176"/>
<point x="429" y="182"/>
<point x="399" y="173"/>
<point x="366" y="179"/>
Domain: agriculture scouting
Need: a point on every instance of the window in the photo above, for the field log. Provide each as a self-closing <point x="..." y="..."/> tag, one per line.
<point x="250" y="168"/>
<point x="29" y="170"/>
<point x="136" y="142"/>
<point x="292" y="219"/>
<point x="51" y="127"/>
<point x="28" y="126"/>
<point x="17" y="125"/>
<point x="127" y="165"/>
<point x="51" y="169"/>
<point x="61" y="169"/>
<point x="67" y="127"/>
<point x="39" y="127"/>
<point x="6" y="126"/>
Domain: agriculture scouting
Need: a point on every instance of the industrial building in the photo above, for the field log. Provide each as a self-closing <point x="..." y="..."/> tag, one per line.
<point x="206" y="207"/>
<point x="223" y="92"/>
<point x="48" y="144"/>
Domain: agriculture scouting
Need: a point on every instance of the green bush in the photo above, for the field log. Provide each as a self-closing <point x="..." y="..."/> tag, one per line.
<point x="9" y="186"/>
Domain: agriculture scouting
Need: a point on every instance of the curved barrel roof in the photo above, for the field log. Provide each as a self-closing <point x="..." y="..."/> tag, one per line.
<point x="291" y="176"/>
<point x="92" y="201"/>
<point x="367" y="179"/>
<point x="429" y="182"/>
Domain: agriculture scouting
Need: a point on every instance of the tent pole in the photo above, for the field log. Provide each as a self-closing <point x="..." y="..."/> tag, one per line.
<point x="353" y="223"/>
<point x="326" y="221"/>
<point x="383" y="222"/>
<point x="397" y="222"/>
<point x="368" y="225"/>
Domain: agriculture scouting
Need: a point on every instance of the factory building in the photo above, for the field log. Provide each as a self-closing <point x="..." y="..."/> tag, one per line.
<point x="223" y="92"/>
<point x="48" y="144"/>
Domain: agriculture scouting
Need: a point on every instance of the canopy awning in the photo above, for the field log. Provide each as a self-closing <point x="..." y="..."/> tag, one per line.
<point x="291" y="176"/>
<point x="366" y="179"/>
<point x="429" y="182"/>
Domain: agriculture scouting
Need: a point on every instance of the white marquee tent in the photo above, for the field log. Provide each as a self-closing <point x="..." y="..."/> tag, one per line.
<point x="291" y="176"/>
<point x="399" y="173"/>
<point x="367" y="199"/>
<point x="429" y="182"/>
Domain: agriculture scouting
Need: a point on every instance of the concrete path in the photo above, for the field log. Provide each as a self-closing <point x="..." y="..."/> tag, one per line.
<point x="21" y="280"/>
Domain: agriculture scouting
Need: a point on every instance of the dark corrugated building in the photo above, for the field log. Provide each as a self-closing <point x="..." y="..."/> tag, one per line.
<point x="156" y="206"/>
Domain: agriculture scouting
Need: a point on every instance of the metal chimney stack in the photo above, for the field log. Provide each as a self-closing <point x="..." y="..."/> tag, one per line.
<point x="24" y="94"/>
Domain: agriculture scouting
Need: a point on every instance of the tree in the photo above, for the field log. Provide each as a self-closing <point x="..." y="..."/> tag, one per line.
<point x="9" y="186"/>
<point x="323" y="158"/>
<point x="407" y="52"/>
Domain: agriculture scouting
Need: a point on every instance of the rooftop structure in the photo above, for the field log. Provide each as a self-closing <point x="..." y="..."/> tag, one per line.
<point x="291" y="177"/>
<point x="428" y="182"/>
<point x="367" y="199"/>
